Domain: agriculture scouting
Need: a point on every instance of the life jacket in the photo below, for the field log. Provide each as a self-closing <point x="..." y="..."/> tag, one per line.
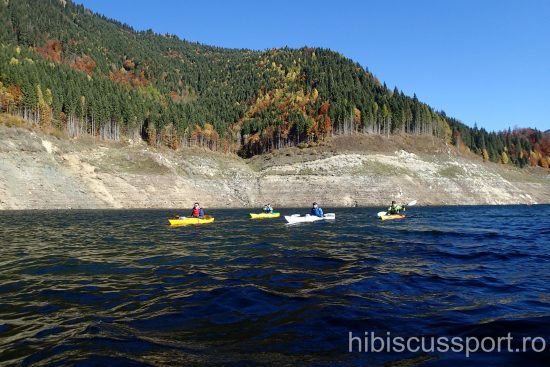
<point x="395" y="209"/>
<point x="317" y="212"/>
<point x="196" y="212"/>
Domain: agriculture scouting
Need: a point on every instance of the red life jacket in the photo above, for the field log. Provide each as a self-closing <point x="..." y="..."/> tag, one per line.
<point x="196" y="212"/>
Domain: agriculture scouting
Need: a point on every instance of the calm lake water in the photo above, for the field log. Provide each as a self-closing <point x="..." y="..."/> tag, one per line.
<point x="123" y="288"/>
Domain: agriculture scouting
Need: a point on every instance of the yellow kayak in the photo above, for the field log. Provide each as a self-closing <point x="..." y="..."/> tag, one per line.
<point x="190" y="220"/>
<point x="392" y="216"/>
<point x="264" y="215"/>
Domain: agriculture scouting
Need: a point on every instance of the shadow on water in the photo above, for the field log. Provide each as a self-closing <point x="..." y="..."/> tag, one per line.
<point x="124" y="288"/>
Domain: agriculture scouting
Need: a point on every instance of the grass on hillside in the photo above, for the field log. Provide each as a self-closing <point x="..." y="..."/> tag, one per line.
<point x="13" y="121"/>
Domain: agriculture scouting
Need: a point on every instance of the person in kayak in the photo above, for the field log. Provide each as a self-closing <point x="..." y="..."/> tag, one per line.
<point x="268" y="209"/>
<point x="315" y="210"/>
<point x="197" y="211"/>
<point x="395" y="208"/>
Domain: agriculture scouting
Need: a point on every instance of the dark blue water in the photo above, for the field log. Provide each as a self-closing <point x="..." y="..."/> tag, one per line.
<point x="96" y="288"/>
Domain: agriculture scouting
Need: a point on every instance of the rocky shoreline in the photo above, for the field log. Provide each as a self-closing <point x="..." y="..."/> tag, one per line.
<point x="40" y="171"/>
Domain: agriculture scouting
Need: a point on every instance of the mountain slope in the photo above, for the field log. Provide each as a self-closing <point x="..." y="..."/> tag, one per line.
<point x="61" y="65"/>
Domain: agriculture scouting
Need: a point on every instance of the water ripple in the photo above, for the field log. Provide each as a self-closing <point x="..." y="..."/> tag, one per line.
<point x="122" y="288"/>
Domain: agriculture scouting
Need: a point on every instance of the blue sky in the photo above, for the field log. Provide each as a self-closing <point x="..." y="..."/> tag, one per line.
<point x="481" y="61"/>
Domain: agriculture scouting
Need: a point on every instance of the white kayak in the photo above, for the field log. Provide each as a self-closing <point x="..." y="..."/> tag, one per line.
<point x="297" y="218"/>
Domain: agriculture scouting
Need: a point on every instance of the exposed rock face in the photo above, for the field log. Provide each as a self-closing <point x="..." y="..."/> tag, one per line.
<point x="42" y="172"/>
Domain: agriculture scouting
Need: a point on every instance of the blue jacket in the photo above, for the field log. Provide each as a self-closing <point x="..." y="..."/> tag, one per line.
<point x="318" y="212"/>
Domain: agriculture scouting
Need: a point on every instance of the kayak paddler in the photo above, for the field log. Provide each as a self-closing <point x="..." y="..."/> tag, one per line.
<point x="268" y="209"/>
<point x="197" y="211"/>
<point x="315" y="210"/>
<point x="395" y="208"/>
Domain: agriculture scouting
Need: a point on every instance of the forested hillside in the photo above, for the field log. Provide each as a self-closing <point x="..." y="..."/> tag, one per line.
<point x="64" y="67"/>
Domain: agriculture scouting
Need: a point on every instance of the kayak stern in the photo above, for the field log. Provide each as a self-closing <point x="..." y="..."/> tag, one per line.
<point x="182" y="221"/>
<point x="264" y="215"/>
<point x="392" y="216"/>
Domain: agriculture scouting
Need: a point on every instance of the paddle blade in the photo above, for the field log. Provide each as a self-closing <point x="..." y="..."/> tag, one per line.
<point x="412" y="203"/>
<point x="330" y="215"/>
<point x="380" y="214"/>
